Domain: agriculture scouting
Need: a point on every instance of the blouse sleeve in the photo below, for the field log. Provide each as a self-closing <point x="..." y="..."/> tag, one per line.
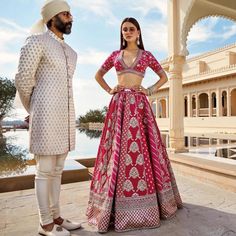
<point x="154" y="64"/>
<point x="109" y="62"/>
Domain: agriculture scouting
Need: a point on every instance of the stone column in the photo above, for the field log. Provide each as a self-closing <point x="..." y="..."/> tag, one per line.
<point x="189" y="142"/>
<point x="157" y="109"/>
<point x="176" y="104"/>
<point x="197" y="141"/>
<point x="210" y="104"/>
<point x="218" y="103"/>
<point x="189" y="105"/>
<point x="197" y="105"/>
<point x="177" y="53"/>
<point x="228" y="102"/>
<point x="210" y="141"/>
<point x="167" y="107"/>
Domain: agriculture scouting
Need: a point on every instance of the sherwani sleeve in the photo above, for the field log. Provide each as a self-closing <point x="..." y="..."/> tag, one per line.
<point x="30" y="57"/>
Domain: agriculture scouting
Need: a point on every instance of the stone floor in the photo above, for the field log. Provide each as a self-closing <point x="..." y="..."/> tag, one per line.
<point x="208" y="211"/>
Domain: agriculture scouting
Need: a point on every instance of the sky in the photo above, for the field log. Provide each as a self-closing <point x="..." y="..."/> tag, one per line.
<point x="95" y="34"/>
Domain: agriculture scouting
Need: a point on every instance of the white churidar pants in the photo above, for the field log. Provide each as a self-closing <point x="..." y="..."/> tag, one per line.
<point x="48" y="186"/>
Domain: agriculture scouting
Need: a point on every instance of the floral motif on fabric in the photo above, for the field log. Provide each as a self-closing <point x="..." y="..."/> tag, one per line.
<point x="140" y="105"/>
<point x="134" y="173"/>
<point x="128" y="160"/>
<point x="132" y="99"/>
<point x="137" y="170"/>
<point x="140" y="159"/>
<point x="133" y="122"/>
<point x="142" y="185"/>
<point x="134" y="147"/>
<point x="128" y="186"/>
<point x="138" y="135"/>
<point x="130" y="135"/>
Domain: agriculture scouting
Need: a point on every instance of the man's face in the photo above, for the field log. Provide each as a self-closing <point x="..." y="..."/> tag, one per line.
<point x="63" y="22"/>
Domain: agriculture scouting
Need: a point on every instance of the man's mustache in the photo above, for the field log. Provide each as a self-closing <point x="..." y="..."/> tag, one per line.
<point x="69" y="24"/>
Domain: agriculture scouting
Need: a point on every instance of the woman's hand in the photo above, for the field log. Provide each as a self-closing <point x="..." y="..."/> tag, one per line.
<point x="116" y="89"/>
<point x="141" y="89"/>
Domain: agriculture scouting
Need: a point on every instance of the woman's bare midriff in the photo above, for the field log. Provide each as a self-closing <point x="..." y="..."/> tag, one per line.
<point x="129" y="80"/>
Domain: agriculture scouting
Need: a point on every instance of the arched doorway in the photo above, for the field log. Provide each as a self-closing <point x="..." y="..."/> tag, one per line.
<point x="185" y="106"/>
<point x="213" y="101"/>
<point x="203" y="105"/>
<point x="194" y="112"/>
<point x="224" y="103"/>
<point x="162" y="111"/>
<point x="233" y="103"/>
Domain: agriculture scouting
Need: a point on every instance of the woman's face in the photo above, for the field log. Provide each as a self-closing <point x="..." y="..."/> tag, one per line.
<point x="130" y="32"/>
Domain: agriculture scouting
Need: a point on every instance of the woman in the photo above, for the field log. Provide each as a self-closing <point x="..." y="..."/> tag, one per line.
<point x="133" y="185"/>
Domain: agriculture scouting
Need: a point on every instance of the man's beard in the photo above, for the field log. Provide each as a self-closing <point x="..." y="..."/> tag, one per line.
<point x="64" y="28"/>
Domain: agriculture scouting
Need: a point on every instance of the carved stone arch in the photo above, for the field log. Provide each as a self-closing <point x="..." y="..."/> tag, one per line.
<point x="184" y="31"/>
<point x="201" y="9"/>
<point x="182" y="14"/>
<point x="233" y="98"/>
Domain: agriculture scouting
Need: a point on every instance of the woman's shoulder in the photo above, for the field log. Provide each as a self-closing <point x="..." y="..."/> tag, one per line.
<point x="146" y="52"/>
<point x="115" y="52"/>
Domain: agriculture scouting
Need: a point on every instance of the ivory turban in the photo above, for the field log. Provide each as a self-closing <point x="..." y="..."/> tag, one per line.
<point x="48" y="11"/>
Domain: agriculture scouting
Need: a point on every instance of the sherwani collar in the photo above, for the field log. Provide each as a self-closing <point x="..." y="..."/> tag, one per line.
<point x="55" y="36"/>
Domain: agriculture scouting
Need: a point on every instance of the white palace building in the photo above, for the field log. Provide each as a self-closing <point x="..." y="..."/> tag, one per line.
<point x="209" y="93"/>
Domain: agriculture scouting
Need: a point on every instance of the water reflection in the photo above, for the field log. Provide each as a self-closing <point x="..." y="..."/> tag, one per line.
<point x="14" y="155"/>
<point x="226" y="153"/>
<point x="91" y="133"/>
<point x="190" y="141"/>
<point x="14" y="150"/>
<point x="12" y="158"/>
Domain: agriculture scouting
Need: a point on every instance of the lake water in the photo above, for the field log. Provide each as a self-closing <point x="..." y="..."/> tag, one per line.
<point x="87" y="142"/>
<point x="14" y="155"/>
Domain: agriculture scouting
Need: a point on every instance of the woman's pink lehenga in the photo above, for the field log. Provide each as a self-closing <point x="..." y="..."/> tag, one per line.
<point x="133" y="185"/>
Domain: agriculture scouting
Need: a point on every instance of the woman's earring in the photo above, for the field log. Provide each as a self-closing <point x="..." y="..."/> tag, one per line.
<point x="138" y="42"/>
<point x="123" y="42"/>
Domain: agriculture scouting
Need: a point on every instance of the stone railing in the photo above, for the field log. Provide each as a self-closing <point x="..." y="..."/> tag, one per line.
<point x="209" y="74"/>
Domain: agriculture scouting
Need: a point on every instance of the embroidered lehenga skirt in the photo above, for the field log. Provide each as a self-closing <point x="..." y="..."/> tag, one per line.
<point x="133" y="185"/>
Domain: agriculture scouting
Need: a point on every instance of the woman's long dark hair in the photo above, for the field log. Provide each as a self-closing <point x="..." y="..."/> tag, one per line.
<point x="134" y="22"/>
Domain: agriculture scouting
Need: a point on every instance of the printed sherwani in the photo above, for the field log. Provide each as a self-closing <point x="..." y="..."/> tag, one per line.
<point x="44" y="83"/>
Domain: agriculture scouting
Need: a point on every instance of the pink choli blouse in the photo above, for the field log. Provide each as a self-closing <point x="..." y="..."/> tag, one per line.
<point x="143" y="60"/>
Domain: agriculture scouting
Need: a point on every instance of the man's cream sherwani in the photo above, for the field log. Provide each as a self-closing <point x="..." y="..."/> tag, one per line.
<point x="44" y="83"/>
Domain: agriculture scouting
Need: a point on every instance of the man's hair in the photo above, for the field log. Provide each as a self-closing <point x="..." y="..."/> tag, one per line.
<point x="49" y="24"/>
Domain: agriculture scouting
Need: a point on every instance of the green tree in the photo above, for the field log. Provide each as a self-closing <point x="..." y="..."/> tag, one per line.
<point x="104" y="111"/>
<point x="94" y="116"/>
<point x="7" y="95"/>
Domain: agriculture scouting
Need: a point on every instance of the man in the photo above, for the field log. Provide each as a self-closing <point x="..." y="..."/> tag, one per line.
<point x="44" y="83"/>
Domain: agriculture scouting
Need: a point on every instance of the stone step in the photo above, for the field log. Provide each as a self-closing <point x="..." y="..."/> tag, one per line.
<point x="205" y="170"/>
